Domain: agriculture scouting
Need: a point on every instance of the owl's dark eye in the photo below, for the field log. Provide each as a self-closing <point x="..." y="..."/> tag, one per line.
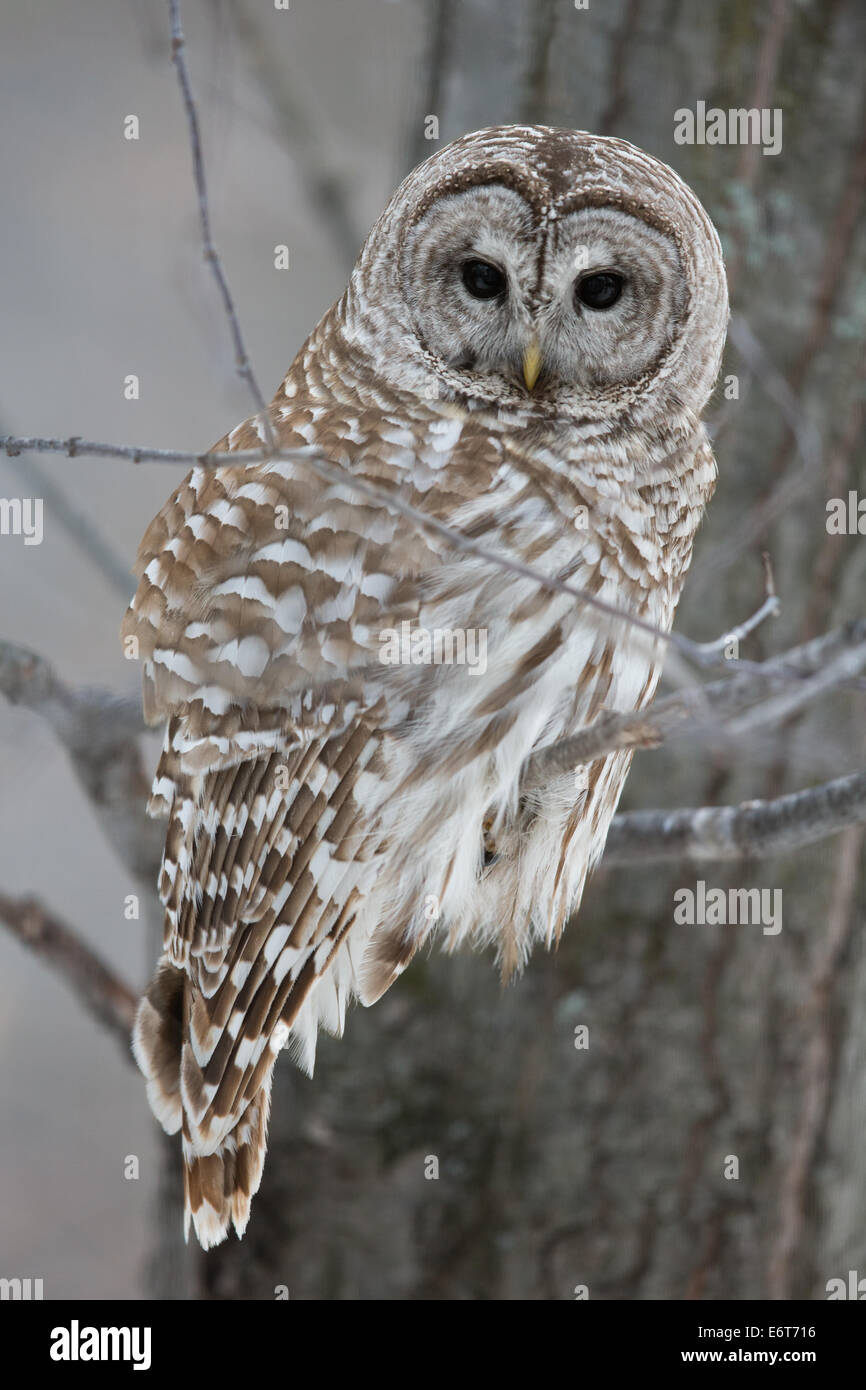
<point x="483" y="280"/>
<point x="600" y="291"/>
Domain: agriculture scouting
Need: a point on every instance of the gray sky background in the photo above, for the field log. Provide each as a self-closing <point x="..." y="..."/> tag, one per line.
<point x="100" y="276"/>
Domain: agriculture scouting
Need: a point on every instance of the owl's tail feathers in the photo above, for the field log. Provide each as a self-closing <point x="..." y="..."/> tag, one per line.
<point x="222" y="1171"/>
<point x="218" y="1188"/>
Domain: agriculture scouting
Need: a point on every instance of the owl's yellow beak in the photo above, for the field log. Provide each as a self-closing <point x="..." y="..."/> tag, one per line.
<point x="531" y="362"/>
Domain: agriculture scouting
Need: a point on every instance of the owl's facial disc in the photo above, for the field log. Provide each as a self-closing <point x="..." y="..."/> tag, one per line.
<point x="613" y="296"/>
<point x="467" y="268"/>
<point x="567" y="308"/>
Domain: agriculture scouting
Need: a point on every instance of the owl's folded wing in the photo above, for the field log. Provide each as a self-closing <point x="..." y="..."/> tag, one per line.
<point x="262" y="583"/>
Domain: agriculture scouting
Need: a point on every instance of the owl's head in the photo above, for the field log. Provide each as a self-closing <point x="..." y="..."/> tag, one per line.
<point x="546" y="269"/>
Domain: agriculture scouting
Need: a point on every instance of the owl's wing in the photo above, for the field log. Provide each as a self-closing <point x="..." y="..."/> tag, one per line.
<point x="261" y="877"/>
<point x="261" y="583"/>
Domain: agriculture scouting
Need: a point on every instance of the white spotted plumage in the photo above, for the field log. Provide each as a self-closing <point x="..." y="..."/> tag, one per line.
<point x="327" y="811"/>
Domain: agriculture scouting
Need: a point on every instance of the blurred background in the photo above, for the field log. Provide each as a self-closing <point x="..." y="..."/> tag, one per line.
<point x="558" y="1167"/>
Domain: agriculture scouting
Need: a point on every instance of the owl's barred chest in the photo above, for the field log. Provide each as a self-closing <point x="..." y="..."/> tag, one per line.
<point x="612" y="541"/>
<point x="613" y="516"/>
<point x="546" y="492"/>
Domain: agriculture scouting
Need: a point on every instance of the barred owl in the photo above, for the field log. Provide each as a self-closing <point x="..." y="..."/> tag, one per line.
<point x="525" y="346"/>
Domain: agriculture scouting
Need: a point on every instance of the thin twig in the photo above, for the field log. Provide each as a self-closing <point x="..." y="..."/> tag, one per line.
<point x="104" y="995"/>
<point x="100" y="733"/>
<point x="244" y="366"/>
<point x="703" y="653"/>
<point x="769" y="608"/>
<point x="81" y="530"/>
<point x="98" y="730"/>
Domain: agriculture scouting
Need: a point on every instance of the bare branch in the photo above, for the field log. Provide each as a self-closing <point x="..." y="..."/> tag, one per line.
<point x="702" y="653"/>
<point x="104" y="995"/>
<point x="716" y="712"/>
<point x="244" y="366"/>
<point x="755" y="829"/>
<point x="769" y="608"/>
<point x="99" y="731"/>
<point x="78" y="526"/>
<point x="96" y="718"/>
